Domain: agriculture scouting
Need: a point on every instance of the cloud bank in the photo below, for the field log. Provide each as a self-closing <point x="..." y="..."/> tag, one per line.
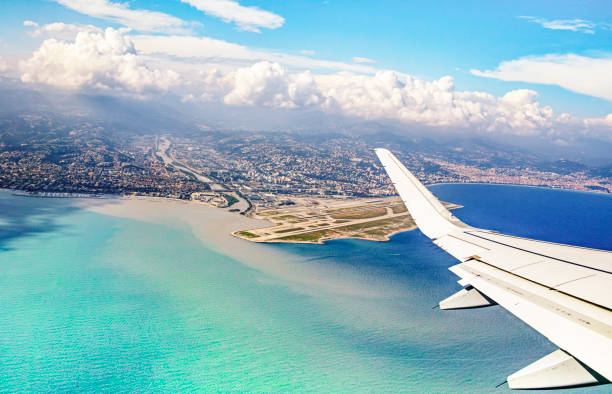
<point x="114" y="61"/>
<point x="246" y="18"/>
<point x="580" y="74"/>
<point x="385" y="95"/>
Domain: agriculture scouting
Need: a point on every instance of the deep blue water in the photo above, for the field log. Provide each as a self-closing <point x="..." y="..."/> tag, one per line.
<point x="501" y="344"/>
<point x="92" y="302"/>
<point x="562" y="216"/>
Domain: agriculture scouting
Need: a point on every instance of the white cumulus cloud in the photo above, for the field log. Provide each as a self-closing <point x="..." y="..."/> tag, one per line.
<point x="385" y="95"/>
<point x="141" y="20"/>
<point x="393" y="95"/>
<point x="99" y="60"/>
<point x="246" y="18"/>
<point x="270" y="85"/>
<point x="607" y="121"/>
<point x="581" y="74"/>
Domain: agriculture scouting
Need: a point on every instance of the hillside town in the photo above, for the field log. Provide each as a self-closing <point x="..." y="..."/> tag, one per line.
<point x="257" y="169"/>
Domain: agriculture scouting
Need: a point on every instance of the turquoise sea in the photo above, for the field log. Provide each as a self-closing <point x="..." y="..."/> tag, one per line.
<point x="90" y="302"/>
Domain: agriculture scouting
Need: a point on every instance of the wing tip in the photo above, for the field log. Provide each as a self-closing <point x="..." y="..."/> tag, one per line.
<point x="381" y="152"/>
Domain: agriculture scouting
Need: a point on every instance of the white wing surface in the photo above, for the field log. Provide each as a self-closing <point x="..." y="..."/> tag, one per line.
<point x="562" y="291"/>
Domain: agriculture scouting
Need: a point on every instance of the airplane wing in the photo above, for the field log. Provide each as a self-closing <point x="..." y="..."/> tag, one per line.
<point x="562" y="291"/>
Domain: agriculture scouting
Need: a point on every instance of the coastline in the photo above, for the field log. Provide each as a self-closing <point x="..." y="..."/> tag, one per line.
<point x="212" y="227"/>
<point x="26" y="193"/>
<point x="519" y="185"/>
<point x="229" y="223"/>
<point x="170" y="211"/>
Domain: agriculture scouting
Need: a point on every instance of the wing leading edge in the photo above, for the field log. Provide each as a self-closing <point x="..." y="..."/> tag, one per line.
<point x="562" y="291"/>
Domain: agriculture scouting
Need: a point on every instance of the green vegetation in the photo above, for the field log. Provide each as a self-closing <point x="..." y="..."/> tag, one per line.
<point x="367" y="214"/>
<point x="400" y="208"/>
<point x="267" y="213"/>
<point x="377" y="232"/>
<point x="283" y="217"/>
<point x="383" y="227"/>
<point x="306" y="237"/>
<point x="286" y="230"/>
<point x="374" y="223"/>
<point x="248" y="234"/>
<point x="338" y="210"/>
<point x="231" y="200"/>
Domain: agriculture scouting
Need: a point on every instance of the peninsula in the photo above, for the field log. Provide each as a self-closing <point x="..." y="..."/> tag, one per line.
<point x="313" y="220"/>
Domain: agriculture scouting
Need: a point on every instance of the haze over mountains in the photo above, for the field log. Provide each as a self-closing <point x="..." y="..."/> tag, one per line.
<point x="449" y="83"/>
<point x="167" y="113"/>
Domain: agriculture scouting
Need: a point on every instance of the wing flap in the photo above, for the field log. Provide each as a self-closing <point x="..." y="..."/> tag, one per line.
<point x="592" y="258"/>
<point x="552" y="273"/>
<point x="583" y="330"/>
<point x="595" y="288"/>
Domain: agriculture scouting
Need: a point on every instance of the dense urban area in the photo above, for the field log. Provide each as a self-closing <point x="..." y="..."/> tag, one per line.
<point x="43" y="154"/>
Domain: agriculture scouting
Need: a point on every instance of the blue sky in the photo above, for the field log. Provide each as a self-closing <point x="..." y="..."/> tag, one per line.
<point x="426" y="40"/>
